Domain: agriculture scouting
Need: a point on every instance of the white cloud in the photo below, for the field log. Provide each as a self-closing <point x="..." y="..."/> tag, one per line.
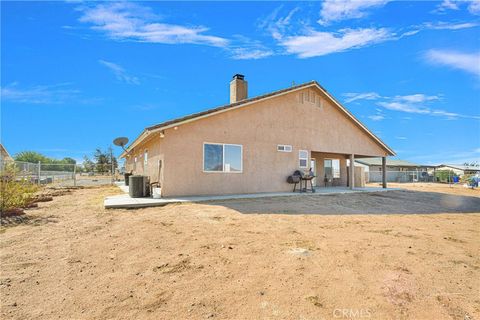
<point x="243" y="48"/>
<point x="468" y="62"/>
<point x="119" y="72"/>
<point x="418" y="103"/>
<point x="448" y="5"/>
<point x="403" y="106"/>
<point x="336" y="10"/>
<point x="250" y="54"/>
<point x="473" y="6"/>
<point x="40" y="94"/>
<point x="317" y="43"/>
<point x="275" y="25"/>
<point x="376" y="117"/>
<point x="417" y="98"/>
<point x="401" y="138"/>
<point x="353" y="96"/>
<point x="129" y="21"/>
<point x="450" y="26"/>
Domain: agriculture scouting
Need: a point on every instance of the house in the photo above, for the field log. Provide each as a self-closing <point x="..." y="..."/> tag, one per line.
<point x="459" y="169"/>
<point x="252" y="144"/>
<point x="4" y="155"/>
<point x="397" y="170"/>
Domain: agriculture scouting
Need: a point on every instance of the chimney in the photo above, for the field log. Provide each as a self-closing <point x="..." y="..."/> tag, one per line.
<point x="238" y="88"/>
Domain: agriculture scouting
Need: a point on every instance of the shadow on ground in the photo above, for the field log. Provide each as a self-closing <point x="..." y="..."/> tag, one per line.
<point x="389" y="202"/>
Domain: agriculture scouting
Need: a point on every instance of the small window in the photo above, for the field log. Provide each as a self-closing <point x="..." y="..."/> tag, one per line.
<point x="145" y="158"/>
<point x="222" y="158"/>
<point x="284" y="148"/>
<point x="303" y="158"/>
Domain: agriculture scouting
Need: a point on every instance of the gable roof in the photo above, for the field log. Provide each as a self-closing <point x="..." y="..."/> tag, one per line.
<point x="245" y="102"/>
<point x="4" y="155"/>
<point x="390" y="162"/>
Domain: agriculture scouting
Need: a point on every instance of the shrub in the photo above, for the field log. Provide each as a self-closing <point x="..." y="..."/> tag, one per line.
<point x="14" y="193"/>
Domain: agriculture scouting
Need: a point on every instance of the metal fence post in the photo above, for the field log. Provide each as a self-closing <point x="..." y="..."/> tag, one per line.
<point x="39" y="172"/>
<point x="74" y="175"/>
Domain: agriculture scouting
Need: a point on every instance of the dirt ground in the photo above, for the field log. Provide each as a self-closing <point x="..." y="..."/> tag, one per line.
<point x="276" y="258"/>
<point x="456" y="189"/>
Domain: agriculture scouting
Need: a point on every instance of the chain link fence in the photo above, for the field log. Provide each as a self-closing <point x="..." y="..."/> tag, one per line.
<point x="439" y="176"/>
<point x="59" y="175"/>
<point x="400" y="176"/>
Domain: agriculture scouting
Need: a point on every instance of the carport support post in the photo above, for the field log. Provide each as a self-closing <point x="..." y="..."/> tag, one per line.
<point x="352" y="172"/>
<point x="384" y="172"/>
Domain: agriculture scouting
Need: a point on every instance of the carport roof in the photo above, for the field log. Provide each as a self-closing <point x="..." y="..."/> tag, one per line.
<point x="390" y="162"/>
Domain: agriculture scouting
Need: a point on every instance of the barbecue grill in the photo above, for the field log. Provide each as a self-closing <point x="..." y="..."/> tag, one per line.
<point x="298" y="177"/>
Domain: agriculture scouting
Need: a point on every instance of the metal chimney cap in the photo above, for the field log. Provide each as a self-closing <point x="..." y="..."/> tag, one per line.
<point x="239" y="76"/>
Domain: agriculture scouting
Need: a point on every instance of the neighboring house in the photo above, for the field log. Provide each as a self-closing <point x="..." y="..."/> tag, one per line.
<point x="252" y="144"/>
<point x="458" y="169"/>
<point x="397" y="170"/>
<point x="4" y="155"/>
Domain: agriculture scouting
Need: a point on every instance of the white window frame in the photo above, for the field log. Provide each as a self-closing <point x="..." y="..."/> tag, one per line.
<point x="284" y="148"/>
<point x="145" y="158"/>
<point x="302" y="158"/>
<point x="223" y="158"/>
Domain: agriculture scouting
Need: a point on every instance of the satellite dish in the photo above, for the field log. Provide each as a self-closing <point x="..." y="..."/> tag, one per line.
<point x="121" y="142"/>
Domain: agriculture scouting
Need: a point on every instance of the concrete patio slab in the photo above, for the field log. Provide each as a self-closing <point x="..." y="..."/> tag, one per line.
<point x="124" y="200"/>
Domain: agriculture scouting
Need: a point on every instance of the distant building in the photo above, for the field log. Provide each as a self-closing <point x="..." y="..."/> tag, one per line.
<point x="459" y="169"/>
<point x="397" y="170"/>
<point x="4" y="155"/>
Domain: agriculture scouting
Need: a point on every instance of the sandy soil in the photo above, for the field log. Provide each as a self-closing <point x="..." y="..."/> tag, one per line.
<point x="456" y="189"/>
<point x="72" y="259"/>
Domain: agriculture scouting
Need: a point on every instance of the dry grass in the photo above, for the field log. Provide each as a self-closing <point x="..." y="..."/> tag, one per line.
<point x="213" y="260"/>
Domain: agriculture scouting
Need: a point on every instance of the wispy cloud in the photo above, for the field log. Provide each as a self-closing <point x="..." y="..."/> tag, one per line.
<point x="119" y="72"/>
<point x="130" y="21"/>
<point x="401" y="138"/>
<point x="450" y="25"/>
<point x="417" y="98"/>
<point x="473" y="6"/>
<point x="39" y="94"/>
<point x="377" y="117"/>
<point x="316" y="43"/>
<point x="296" y="35"/>
<point x="468" y="62"/>
<point x="418" y="103"/>
<point x="353" y="96"/>
<point x="334" y="10"/>
<point x="243" y="48"/>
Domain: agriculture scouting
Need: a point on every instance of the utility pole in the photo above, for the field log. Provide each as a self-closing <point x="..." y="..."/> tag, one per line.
<point x="111" y="160"/>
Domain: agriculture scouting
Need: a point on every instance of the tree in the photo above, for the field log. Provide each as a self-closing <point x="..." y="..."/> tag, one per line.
<point x="32" y="157"/>
<point x="103" y="160"/>
<point x="88" y="164"/>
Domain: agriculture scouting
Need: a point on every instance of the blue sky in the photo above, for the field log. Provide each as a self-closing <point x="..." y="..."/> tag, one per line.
<point x="75" y="75"/>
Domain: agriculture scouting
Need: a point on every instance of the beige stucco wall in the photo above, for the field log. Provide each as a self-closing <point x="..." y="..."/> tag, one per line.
<point x="320" y="158"/>
<point x="259" y="128"/>
<point x="152" y="169"/>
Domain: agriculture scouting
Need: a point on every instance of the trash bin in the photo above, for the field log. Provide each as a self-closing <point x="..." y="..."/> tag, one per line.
<point x="455" y="179"/>
<point x="138" y="186"/>
<point x="127" y="175"/>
